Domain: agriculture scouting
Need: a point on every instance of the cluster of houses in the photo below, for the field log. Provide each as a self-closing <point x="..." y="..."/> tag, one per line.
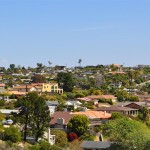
<point x="38" y="87"/>
<point x="100" y="114"/>
<point x="97" y="115"/>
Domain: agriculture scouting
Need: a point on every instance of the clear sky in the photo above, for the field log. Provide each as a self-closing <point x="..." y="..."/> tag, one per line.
<point x="63" y="31"/>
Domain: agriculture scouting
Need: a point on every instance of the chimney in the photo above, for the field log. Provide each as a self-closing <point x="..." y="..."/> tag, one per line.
<point x="146" y="102"/>
<point x="26" y="88"/>
<point x="104" y="113"/>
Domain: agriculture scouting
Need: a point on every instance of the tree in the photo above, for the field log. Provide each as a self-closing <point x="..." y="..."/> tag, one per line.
<point x="39" y="65"/>
<point x="87" y="137"/>
<point x="72" y="136"/>
<point x="40" y="118"/>
<point x="144" y="114"/>
<point x="12" y="66"/>
<point x="33" y="113"/>
<point x="61" y="138"/>
<point x="79" y="62"/>
<point x="2" y="103"/>
<point x="25" y="114"/>
<point x="66" y="79"/>
<point x="2" y="116"/>
<point x="128" y="133"/>
<point x="116" y="115"/>
<point x="78" y="124"/>
<point x="38" y="79"/>
<point x="49" y="62"/>
<point x="12" y="134"/>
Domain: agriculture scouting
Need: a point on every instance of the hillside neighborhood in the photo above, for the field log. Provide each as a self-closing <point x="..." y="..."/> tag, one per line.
<point x="79" y="108"/>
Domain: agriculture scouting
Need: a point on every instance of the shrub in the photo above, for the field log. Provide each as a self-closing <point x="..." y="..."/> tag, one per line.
<point x="12" y="134"/>
<point x="72" y="136"/>
<point x="87" y="137"/>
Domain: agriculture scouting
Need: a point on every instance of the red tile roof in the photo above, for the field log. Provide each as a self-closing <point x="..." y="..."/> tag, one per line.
<point x="2" y="84"/>
<point x="94" y="114"/>
<point x="101" y="96"/>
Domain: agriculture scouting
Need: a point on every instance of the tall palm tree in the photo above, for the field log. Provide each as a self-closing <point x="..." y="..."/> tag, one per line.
<point x="49" y="62"/>
<point x="79" y="62"/>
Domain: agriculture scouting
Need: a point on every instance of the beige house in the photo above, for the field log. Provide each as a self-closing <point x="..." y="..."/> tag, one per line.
<point x="39" y="87"/>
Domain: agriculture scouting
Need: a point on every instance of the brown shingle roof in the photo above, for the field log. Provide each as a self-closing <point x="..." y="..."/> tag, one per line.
<point x="59" y="114"/>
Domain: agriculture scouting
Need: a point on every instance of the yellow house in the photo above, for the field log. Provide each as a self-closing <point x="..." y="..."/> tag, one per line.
<point x="51" y="87"/>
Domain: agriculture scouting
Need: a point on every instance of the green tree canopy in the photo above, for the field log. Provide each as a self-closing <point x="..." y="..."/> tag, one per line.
<point x="127" y="133"/>
<point x="78" y="124"/>
<point x="61" y="138"/>
<point x="38" y="79"/>
<point x="33" y="113"/>
<point x="12" y="134"/>
<point x="66" y="79"/>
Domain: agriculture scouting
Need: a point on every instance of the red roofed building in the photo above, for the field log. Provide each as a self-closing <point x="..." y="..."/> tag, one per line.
<point x="95" y="117"/>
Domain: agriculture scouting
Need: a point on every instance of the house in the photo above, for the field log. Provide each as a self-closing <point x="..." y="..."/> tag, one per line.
<point x="7" y="112"/>
<point x="24" y="88"/>
<point x="48" y="87"/>
<point x="17" y="93"/>
<point x="143" y="97"/>
<point x="47" y="135"/>
<point x="95" y="145"/>
<point x="60" y="119"/>
<point x="95" y="117"/>
<point x="135" y="105"/>
<point x="52" y="103"/>
<point x="52" y="109"/>
<point x="6" y="98"/>
<point x="39" y="87"/>
<point x="76" y="104"/>
<point x="2" y="87"/>
<point x="107" y="97"/>
<point x="121" y="109"/>
<point x="138" y="105"/>
<point x="52" y="88"/>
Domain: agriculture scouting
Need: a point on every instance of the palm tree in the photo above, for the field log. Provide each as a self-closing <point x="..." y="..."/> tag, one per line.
<point x="49" y="62"/>
<point x="79" y="62"/>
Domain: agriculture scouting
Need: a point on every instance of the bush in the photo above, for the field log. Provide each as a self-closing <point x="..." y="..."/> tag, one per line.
<point x="12" y="134"/>
<point x="70" y="95"/>
<point x="78" y="124"/>
<point x="43" y="145"/>
<point x="102" y="100"/>
<point x="2" y="103"/>
<point x="87" y="137"/>
<point x="61" y="137"/>
<point x="72" y="136"/>
<point x="79" y="95"/>
<point x="116" y="115"/>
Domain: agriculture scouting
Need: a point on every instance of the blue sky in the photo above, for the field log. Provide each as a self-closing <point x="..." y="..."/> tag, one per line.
<point x="63" y="31"/>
